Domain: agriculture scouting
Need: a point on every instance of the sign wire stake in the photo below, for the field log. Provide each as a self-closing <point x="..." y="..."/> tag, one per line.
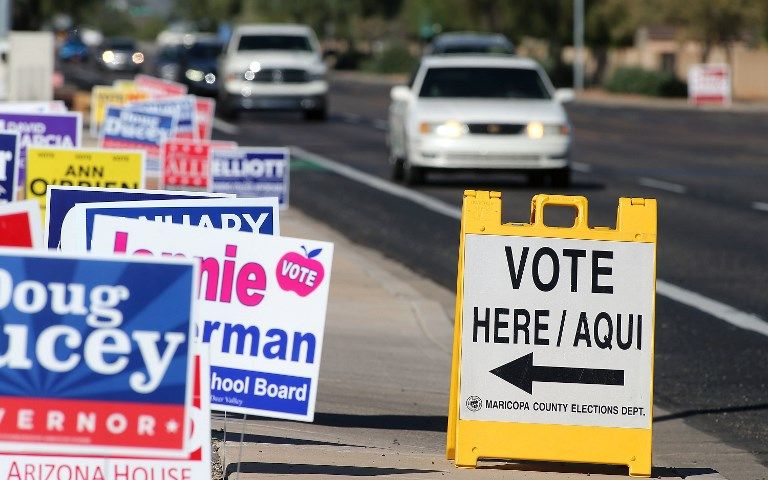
<point x="240" y="449"/>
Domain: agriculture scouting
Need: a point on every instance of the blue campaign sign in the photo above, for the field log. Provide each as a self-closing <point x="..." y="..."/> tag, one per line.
<point x="252" y="172"/>
<point x="256" y="215"/>
<point x="61" y="199"/>
<point x="9" y="166"/>
<point x="183" y="108"/>
<point x="123" y="128"/>
<point x="111" y="337"/>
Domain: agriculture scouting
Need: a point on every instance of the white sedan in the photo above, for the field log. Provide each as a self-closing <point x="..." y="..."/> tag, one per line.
<point x="480" y="112"/>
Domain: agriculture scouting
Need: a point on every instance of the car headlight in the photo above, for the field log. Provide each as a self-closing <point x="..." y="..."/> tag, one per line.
<point x="537" y="130"/>
<point x="194" y="75"/>
<point x="449" y="129"/>
<point x="137" y="58"/>
<point x="315" y="76"/>
<point x="108" y="56"/>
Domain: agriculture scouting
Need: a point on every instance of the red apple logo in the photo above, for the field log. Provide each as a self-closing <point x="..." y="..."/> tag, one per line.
<point x="300" y="273"/>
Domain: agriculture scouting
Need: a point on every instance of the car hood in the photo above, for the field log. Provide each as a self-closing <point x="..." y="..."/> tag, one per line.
<point x="488" y="110"/>
<point x="241" y="61"/>
<point x="204" y="64"/>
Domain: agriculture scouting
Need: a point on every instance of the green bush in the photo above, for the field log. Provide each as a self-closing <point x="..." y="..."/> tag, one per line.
<point x="645" y="82"/>
<point x="394" y="58"/>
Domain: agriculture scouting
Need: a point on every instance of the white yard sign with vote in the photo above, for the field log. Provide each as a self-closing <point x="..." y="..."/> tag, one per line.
<point x="557" y="331"/>
<point x="262" y="300"/>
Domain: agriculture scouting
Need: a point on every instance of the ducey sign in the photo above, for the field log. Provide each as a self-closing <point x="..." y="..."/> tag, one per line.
<point x="262" y="302"/>
<point x="97" y="354"/>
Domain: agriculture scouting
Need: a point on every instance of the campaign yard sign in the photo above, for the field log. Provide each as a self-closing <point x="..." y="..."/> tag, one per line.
<point x="182" y="108"/>
<point x="205" y="108"/>
<point x="262" y="302"/>
<point x="42" y="130"/>
<point x="81" y="167"/>
<point x="196" y="464"/>
<point x="253" y="215"/>
<point x="159" y="87"/>
<point x="20" y="225"/>
<point x="9" y="166"/>
<point x="125" y="128"/>
<point x="99" y="354"/>
<point x="104" y="95"/>
<point x="252" y="172"/>
<point x="186" y="164"/>
<point x="61" y="199"/>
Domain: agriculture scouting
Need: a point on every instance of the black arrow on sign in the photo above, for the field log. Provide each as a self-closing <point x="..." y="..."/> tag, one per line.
<point x="522" y="373"/>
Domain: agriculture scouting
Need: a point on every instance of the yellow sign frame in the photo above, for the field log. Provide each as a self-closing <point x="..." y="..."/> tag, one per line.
<point x="471" y="440"/>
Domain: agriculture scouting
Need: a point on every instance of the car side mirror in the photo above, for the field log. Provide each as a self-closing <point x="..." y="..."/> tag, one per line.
<point x="564" y="95"/>
<point x="400" y="93"/>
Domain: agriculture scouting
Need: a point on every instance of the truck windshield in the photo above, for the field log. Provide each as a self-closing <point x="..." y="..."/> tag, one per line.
<point x="274" y="42"/>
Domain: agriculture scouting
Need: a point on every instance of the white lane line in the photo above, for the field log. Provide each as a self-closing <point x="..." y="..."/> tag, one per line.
<point x="351" y="117"/>
<point x="581" y="167"/>
<point x="737" y="318"/>
<point x="226" y="127"/>
<point x="731" y="315"/>
<point x="662" y="185"/>
<point x="381" y="124"/>
<point x="372" y="181"/>
<point x="760" y="206"/>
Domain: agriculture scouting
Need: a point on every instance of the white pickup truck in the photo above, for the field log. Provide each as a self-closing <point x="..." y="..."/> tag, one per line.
<point x="273" y="67"/>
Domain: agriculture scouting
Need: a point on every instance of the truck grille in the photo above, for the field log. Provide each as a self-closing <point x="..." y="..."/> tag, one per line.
<point x="495" y="128"/>
<point x="281" y="75"/>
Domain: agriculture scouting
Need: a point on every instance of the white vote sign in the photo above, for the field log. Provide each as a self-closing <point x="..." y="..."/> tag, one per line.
<point x="262" y="300"/>
<point x="557" y="331"/>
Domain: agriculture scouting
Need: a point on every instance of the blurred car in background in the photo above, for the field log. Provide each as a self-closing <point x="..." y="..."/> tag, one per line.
<point x="119" y="54"/>
<point x="273" y="67"/>
<point x="470" y="42"/>
<point x="198" y="65"/>
<point x="480" y="112"/>
<point x="74" y="49"/>
<point x="166" y="62"/>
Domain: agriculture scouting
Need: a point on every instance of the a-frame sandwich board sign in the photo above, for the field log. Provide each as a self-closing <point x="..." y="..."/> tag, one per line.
<point x="554" y="336"/>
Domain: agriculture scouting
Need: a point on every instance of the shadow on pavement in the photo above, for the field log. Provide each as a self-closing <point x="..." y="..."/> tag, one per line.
<point x="268" y="439"/>
<point x="307" y="469"/>
<point x="710" y="411"/>
<point x="429" y="423"/>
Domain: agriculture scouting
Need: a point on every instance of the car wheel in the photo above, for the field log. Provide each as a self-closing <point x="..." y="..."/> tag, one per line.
<point x="561" y="178"/>
<point x="397" y="168"/>
<point x="412" y="175"/>
<point x="316" y="115"/>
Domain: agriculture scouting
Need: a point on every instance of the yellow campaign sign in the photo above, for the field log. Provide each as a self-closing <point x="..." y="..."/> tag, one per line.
<point x="103" y="96"/>
<point x="554" y="336"/>
<point x="124" y="84"/>
<point x="81" y="167"/>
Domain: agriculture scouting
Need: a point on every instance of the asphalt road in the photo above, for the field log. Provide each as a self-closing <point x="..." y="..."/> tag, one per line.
<point x="708" y="171"/>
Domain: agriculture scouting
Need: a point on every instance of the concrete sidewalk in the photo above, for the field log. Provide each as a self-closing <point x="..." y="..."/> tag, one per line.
<point x="383" y="395"/>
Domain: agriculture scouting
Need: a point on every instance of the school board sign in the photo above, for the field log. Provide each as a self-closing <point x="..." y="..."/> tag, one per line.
<point x="252" y="172"/>
<point x="9" y="166"/>
<point x="81" y="167"/>
<point x="61" y="199"/>
<point x="106" y="371"/>
<point x="262" y="303"/>
<point x="252" y="215"/>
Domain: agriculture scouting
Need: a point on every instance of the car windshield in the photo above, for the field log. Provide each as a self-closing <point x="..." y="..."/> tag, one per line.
<point x="274" y="42"/>
<point x="474" y="48"/>
<point x="120" y="45"/>
<point x="464" y="82"/>
<point x="204" y="50"/>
